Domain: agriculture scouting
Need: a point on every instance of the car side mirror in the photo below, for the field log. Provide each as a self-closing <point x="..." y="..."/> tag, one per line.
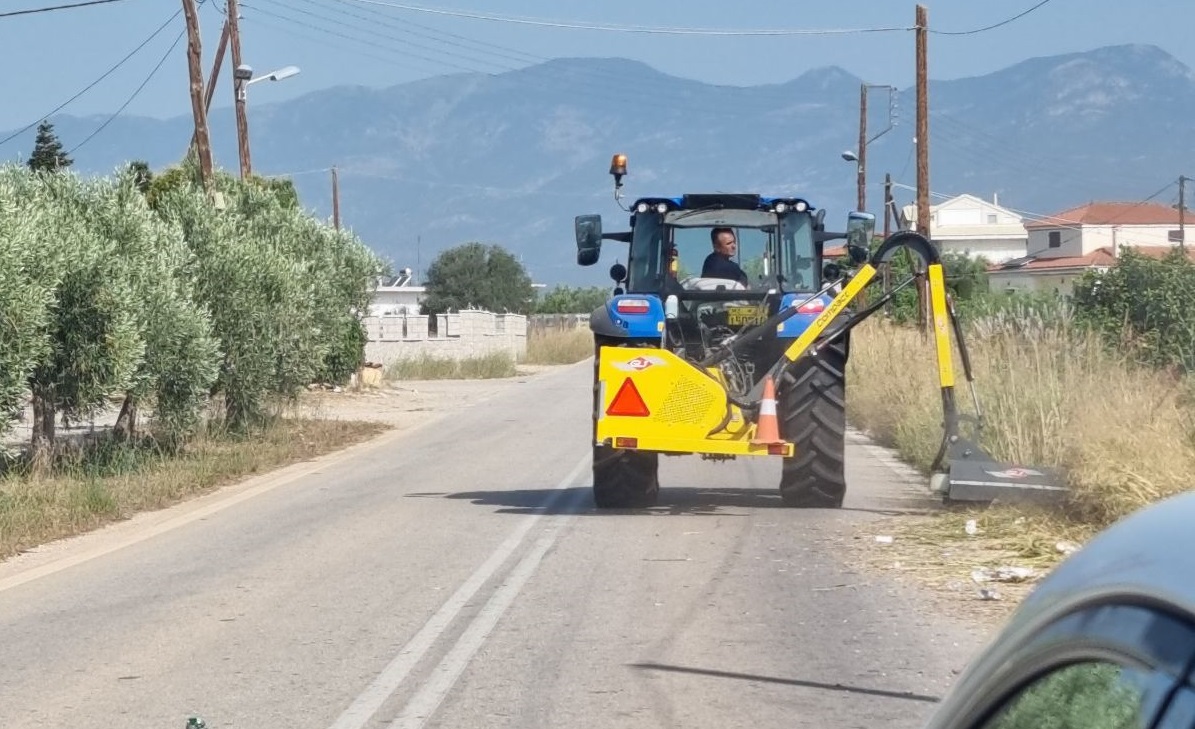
<point x="860" y="227"/>
<point x="589" y="239"/>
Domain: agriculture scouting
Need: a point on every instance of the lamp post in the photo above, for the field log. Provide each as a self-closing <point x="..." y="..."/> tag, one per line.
<point x="244" y="78"/>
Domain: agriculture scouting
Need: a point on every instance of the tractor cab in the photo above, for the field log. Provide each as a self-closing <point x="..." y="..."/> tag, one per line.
<point x="700" y="268"/>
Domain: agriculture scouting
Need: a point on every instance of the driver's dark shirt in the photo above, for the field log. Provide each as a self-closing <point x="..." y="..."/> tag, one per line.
<point x="720" y="266"/>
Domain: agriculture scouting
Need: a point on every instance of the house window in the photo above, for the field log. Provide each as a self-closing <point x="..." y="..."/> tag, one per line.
<point x="1055" y="238"/>
<point x="991" y="220"/>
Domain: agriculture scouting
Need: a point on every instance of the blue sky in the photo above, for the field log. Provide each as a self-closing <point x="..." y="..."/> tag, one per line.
<point x="51" y="56"/>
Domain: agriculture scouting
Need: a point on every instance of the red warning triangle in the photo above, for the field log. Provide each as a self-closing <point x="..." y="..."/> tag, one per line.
<point x="628" y="402"/>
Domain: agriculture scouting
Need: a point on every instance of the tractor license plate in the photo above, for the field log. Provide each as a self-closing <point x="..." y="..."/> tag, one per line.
<point x="746" y="315"/>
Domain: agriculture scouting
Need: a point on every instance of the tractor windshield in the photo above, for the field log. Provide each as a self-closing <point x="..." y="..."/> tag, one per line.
<point x="770" y="248"/>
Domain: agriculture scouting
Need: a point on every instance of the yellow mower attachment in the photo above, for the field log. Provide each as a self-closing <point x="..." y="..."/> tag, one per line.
<point x="650" y="399"/>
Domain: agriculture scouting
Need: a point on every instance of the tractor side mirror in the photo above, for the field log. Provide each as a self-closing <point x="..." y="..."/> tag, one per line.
<point x="860" y="227"/>
<point x="589" y="239"/>
<point x="618" y="272"/>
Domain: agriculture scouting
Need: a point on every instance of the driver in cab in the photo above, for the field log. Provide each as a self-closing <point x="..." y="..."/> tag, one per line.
<point x="720" y="263"/>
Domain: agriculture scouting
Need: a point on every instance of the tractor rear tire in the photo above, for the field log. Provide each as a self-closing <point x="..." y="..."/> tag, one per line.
<point x="625" y="479"/>
<point x="812" y="397"/>
<point x="622" y="479"/>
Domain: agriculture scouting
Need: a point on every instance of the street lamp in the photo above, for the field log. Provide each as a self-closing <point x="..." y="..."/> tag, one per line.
<point x="244" y="78"/>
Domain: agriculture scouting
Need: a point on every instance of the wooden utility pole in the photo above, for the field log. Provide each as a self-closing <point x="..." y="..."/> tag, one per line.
<point x="1182" y="214"/>
<point x="862" y="153"/>
<point x="203" y="142"/>
<point x="335" y="198"/>
<point x="886" y="267"/>
<point x="887" y="204"/>
<point x="238" y="85"/>
<point x="211" y="81"/>
<point x="923" y="224"/>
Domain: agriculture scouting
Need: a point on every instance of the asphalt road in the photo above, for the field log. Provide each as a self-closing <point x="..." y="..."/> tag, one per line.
<point x="457" y="576"/>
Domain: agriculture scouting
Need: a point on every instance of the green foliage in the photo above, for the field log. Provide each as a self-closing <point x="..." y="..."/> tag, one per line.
<point x="965" y="277"/>
<point x="142" y="176"/>
<point x="1091" y="695"/>
<point x="48" y="155"/>
<point x="569" y="300"/>
<point x="26" y="288"/>
<point x="346" y="352"/>
<point x="1144" y="305"/>
<point x="138" y="285"/>
<point x="476" y="276"/>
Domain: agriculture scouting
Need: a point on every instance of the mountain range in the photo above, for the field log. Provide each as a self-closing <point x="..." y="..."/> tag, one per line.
<point x="511" y="158"/>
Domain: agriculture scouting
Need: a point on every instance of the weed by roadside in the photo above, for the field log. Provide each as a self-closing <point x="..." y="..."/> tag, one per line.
<point x="1052" y="395"/>
<point x="434" y="367"/>
<point x="559" y="346"/>
<point x="111" y="481"/>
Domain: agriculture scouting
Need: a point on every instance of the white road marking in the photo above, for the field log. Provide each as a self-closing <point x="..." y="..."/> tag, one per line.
<point x="421" y="708"/>
<point x="371" y="699"/>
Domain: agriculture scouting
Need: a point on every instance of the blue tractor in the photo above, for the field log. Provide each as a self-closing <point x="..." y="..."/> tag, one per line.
<point x="728" y="336"/>
<point x="706" y="277"/>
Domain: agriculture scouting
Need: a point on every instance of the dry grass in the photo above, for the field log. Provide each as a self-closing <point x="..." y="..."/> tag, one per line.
<point x="114" y="483"/>
<point x="1124" y="434"/>
<point x="432" y="367"/>
<point x="1052" y="397"/>
<point x="559" y="347"/>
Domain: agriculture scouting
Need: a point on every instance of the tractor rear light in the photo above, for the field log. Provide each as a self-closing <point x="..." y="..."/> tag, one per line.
<point x="777" y="450"/>
<point x="812" y="306"/>
<point x="626" y="442"/>
<point x="633" y="306"/>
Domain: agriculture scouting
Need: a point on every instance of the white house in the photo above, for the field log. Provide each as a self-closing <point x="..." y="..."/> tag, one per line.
<point x="396" y="296"/>
<point x="1066" y="245"/>
<point x="975" y="227"/>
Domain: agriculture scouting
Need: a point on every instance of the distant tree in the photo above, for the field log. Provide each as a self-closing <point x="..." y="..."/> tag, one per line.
<point x="569" y="300"/>
<point x="474" y="275"/>
<point x="282" y="188"/>
<point x="142" y="176"/>
<point x="48" y="154"/>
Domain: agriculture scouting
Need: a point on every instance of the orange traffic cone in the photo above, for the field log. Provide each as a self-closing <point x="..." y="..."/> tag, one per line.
<point x="767" y="430"/>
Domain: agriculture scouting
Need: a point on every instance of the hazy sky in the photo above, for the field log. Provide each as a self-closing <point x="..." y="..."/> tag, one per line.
<point x="49" y="57"/>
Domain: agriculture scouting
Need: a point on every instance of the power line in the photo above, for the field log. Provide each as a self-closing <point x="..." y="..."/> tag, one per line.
<point x="135" y="93"/>
<point x="57" y="7"/>
<point x="573" y="25"/>
<point x="93" y="84"/>
<point x="1018" y="16"/>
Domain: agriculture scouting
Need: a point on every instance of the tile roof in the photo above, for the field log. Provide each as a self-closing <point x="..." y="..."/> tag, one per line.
<point x="1099" y="257"/>
<point x="1108" y="213"/>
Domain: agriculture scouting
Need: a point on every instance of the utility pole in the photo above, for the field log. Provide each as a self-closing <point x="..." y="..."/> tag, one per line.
<point x="862" y="154"/>
<point x="887" y="204"/>
<point x="194" y="54"/>
<point x="211" y="81"/>
<point x="234" y="36"/>
<point x="335" y="198"/>
<point x="923" y="220"/>
<point x="1182" y="214"/>
<point x="886" y="267"/>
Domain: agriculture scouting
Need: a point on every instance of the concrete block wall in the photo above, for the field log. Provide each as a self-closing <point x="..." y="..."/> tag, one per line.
<point x="458" y="335"/>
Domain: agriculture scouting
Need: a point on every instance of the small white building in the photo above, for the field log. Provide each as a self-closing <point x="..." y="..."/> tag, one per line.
<point x="975" y="227"/>
<point x="396" y="296"/>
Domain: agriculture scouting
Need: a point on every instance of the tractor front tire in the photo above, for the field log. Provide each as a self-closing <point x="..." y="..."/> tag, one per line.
<point x="812" y="397"/>
<point x="624" y="479"/>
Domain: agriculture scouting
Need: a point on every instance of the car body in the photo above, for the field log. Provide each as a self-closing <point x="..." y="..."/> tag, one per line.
<point x="1107" y="640"/>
